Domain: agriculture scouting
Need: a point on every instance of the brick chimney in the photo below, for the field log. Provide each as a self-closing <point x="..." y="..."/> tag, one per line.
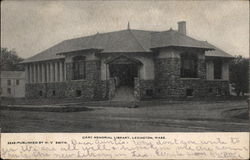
<point x="182" y="27"/>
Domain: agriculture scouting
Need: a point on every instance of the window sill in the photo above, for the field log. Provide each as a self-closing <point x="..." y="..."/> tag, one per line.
<point x="189" y="78"/>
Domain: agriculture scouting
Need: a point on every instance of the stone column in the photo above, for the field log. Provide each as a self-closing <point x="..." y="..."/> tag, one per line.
<point x="225" y="70"/>
<point x="27" y="73"/>
<point x="38" y="73"/>
<point x="31" y="73"/>
<point x="210" y="70"/>
<point x="107" y="70"/>
<point x="52" y="72"/>
<point x="43" y="80"/>
<point x="35" y="72"/>
<point x="56" y="71"/>
<point x="61" y="71"/>
<point x="65" y="71"/>
<point x="48" y="72"/>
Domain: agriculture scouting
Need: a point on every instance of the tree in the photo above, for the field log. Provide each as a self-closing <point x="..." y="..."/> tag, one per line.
<point x="9" y="60"/>
<point x="239" y="74"/>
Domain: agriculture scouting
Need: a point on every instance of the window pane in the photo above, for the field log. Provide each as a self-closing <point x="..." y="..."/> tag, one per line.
<point x="78" y="67"/>
<point x="81" y="70"/>
<point x="189" y="65"/>
<point x="217" y="69"/>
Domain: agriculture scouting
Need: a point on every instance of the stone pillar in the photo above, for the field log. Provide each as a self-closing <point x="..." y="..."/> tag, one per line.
<point x="225" y="70"/>
<point x="35" y="72"/>
<point x="64" y="71"/>
<point x="210" y="70"/>
<point x="31" y="73"/>
<point x="52" y="73"/>
<point x="61" y="69"/>
<point x="47" y="72"/>
<point x="56" y="71"/>
<point x="27" y="74"/>
<point x="38" y="73"/>
<point x="107" y="74"/>
<point x="43" y="80"/>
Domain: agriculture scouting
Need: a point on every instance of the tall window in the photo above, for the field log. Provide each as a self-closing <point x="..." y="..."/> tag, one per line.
<point x="217" y="69"/>
<point x="79" y="68"/>
<point x="189" y="65"/>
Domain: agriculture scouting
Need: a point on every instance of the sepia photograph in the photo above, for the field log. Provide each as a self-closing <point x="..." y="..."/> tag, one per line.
<point x="124" y="79"/>
<point x="124" y="66"/>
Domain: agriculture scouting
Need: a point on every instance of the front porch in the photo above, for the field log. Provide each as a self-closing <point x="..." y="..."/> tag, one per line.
<point x="123" y="75"/>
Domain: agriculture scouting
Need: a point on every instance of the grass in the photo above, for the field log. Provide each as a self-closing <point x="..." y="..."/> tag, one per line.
<point x="188" y="116"/>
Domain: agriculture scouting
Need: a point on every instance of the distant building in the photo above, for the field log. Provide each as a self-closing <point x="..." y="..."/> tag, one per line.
<point x="151" y="64"/>
<point x="12" y="84"/>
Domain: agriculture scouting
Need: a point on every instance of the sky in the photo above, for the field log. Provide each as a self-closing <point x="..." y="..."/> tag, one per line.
<point x="30" y="27"/>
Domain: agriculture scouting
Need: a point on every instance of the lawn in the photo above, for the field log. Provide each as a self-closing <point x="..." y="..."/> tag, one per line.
<point x="182" y="116"/>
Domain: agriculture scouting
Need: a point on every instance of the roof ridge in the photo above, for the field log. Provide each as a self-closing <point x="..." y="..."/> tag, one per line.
<point x="91" y="35"/>
<point x="92" y="45"/>
<point x="137" y="40"/>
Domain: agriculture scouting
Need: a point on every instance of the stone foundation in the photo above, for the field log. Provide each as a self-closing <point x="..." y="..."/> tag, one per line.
<point x="147" y="89"/>
<point x="70" y="89"/>
<point x="144" y="89"/>
<point x="200" y="88"/>
<point x="101" y="90"/>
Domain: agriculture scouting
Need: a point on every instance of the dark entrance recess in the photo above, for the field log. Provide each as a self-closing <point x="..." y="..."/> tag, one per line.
<point x="125" y="73"/>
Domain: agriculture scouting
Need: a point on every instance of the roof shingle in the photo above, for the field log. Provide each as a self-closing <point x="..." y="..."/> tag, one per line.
<point x="217" y="52"/>
<point x="124" y="41"/>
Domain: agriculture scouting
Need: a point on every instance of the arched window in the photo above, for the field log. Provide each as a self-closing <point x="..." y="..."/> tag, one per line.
<point x="189" y="65"/>
<point x="79" y="68"/>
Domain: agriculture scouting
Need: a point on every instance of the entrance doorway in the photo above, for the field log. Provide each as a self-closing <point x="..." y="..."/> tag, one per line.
<point x="124" y="74"/>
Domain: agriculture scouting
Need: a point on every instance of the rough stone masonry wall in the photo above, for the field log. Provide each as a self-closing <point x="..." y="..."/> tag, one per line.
<point x="93" y="71"/>
<point x="169" y="84"/>
<point x="32" y="90"/>
<point x="167" y="77"/>
<point x="102" y="90"/>
<point x="45" y="90"/>
<point x="147" y="89"/>
<point x="91" y="87"/>
<point x="87" y="86"/>
<point x="137" y="89"/>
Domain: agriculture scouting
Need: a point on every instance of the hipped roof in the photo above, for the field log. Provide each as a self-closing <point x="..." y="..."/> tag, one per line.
<point x="217" y="52"/>
<point x="124" y="41"/>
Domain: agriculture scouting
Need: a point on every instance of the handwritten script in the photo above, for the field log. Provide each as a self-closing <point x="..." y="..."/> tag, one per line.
<point x="125" y="146"/>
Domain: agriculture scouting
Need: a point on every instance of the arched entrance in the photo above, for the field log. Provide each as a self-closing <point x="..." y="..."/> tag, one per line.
<point x="122" y="72"/>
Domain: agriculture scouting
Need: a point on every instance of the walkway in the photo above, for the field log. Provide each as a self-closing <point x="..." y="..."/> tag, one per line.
<point x="124" y="93"/>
